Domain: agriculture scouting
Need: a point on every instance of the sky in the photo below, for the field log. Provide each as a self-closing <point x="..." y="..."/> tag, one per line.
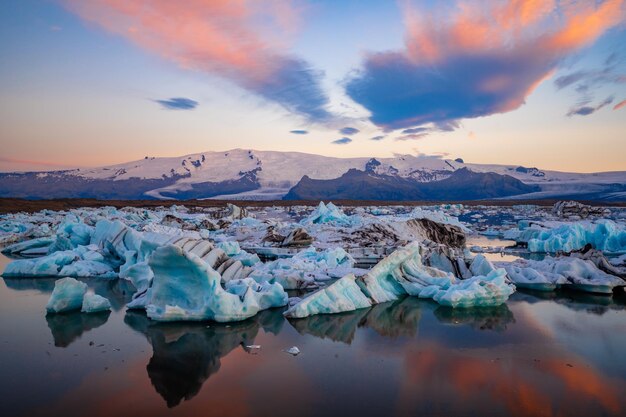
<point x="523" y="82"/>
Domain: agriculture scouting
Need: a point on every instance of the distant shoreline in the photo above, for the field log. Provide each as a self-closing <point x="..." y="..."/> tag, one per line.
<point x="14" y="205"/>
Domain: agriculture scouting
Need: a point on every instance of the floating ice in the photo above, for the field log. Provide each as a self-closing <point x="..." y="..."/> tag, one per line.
<point x="552" y="237"/>
<point x="479" y="291"/>
<point x="67" y="295"/>
<point x="293" y="350"/>
<point x="327" y="213"/>
<point x="230" y="248"/>
<point x="342" y="295"/>
<point x="403" y="273"/>
<point x="305" y="268"/>
<point x="438" y="217"/>
<point x="47" y="266"/>
<point x="552" y="273"/>
<point x="481" y="265"/>
<point x="185" y="287"/>
<point x="70" y="234"/>
<point x="32" y="246"/>
<point x="94" y="303"/>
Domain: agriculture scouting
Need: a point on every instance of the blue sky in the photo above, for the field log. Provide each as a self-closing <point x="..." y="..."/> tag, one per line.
<point x="90" y="82"/>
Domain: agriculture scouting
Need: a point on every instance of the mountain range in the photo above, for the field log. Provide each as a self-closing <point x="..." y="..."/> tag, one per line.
<point x="271" y="175"/>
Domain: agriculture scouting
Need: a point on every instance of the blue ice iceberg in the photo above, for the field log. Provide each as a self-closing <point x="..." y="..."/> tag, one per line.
<point x="38" y="245"/>
<point x="47" y="266"/>
<point x="327" y="213"/>
<point x="185" y="287"/>
<point x="552" y="237"/>
<point x="403" y="273"/>
<point x="341" y="296"/>
<point x="488" y="290"/>
<point x="67" y="295"/>
<point x="94" y="303"/>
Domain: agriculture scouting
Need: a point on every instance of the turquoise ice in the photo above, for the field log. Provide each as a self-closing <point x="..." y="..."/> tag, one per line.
<point x="67" y="296"/>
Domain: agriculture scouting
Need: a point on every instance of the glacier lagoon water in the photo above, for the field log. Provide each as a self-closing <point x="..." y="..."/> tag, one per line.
<point x="539" y="354"/>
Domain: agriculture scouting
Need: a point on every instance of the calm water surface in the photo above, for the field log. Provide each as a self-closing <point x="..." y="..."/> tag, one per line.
<point x="539" y="354"/>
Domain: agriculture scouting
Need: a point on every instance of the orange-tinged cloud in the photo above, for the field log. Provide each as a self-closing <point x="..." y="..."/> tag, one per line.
<point x="240" y="40"/>
<point x="478" y="27"/>
<point x="587" y="23"/>
<point x="620" y="105"/>
<point x="476" y="58"/>
<point x="215" y="35"/>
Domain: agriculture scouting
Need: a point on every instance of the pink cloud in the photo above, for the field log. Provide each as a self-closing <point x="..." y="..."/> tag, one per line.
<point x="243" y="41"/>
<point x="620" y="105"/>
<point x="474" y="58"/>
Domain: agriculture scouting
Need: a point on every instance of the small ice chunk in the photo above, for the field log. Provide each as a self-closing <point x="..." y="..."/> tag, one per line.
<point x="231" y="247"/>
<point x="293" y="351"/>
<point x="94" y="303"/>
<point x="253" y="349"/>
<point x="67" y="295"/>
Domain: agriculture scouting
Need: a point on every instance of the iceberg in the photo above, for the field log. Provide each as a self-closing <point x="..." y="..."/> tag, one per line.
<point x="67" y="295"/>
<point x="438" y="217"/>
<point x="341" y="296"/>
<point x="403" y="273"/>
<point x="230" y="248"/>
<point x="306" y="268"/>
<point x="552" y="273"/>
<point x="327" y="213"/>
<point x="185" y="287"/>
<point x="479" y="291"/>
<point x="47" y="266"/>
<point x="28" y="247"/>
<point x="552" y="237"/>
<point x="481" y="265"/>
<point x="94" y="303"/>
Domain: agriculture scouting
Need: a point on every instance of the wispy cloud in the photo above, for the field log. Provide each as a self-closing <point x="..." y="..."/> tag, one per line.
<point x="299" y="132"/>
<point x="620" y="105"/>
<point x="475" y="58"/>
<point x="413" y="136"/>
<point x="16" y="164"/>
<point x="379" y="137"/>
<point x="349" y="131"/>
<point x="342" y="141"/>
<point x="585" y="110"/>
<point x="415" y="130"/>
<point x="586" y="82"/>
<point x="421" y="132"/>
<point x="178" y="103"/>
<point x="242" y="41"/>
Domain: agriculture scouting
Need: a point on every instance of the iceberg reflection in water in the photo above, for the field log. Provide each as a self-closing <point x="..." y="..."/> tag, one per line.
<point x="185" y="355"/>
<point x="538" y="354"/>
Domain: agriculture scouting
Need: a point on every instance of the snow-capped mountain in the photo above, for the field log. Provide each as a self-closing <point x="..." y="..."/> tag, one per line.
<point x="250" y="174"/>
